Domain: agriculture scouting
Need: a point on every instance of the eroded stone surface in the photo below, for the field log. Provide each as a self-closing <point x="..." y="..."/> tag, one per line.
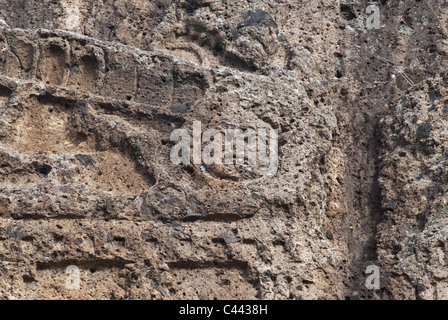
<point x="413" y="234"/>
<point x="91" y="91"/>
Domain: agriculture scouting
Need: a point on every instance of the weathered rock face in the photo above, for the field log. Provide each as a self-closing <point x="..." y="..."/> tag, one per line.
<point x="90" y="93"/>
<point x="413" y="234"/>
<point x="129" y="22"/>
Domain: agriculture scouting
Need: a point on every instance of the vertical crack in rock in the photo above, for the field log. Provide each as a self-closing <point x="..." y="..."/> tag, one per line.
<point x="377" y="68"/>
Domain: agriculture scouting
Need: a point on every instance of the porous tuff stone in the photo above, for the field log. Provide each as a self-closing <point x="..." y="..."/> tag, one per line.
<point x="90" y="92"/>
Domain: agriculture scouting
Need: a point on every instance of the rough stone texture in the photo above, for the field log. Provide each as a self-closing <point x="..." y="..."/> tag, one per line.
<point x="90" y="92"/>
<point x="413" y="233"/>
